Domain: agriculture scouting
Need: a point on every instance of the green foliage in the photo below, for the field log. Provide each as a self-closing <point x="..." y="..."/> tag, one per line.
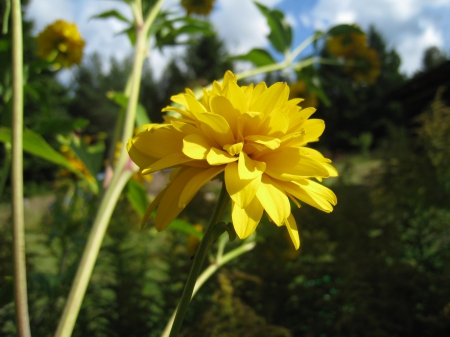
<point x="359" y="110"/>
<point x="259" y="57"/>
<point x="280" y="35"/>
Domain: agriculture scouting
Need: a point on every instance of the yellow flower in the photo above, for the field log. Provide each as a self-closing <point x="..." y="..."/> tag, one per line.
<point x="256" y="136"/>
<point x="61" y="41"/>
<point x="365" y="66"/>
<point x="346" y="45"/>
<point x="298" y="90"/>
<point x="193" y="241"/>
<point x="76" y="163"/>
<point x="200" y="7"/>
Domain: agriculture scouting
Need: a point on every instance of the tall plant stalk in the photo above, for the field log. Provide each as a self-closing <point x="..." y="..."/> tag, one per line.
<point x="118" y="182"/>
<point x="20" y="273"/>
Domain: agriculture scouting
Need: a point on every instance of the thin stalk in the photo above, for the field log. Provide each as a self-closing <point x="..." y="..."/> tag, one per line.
<point x="198" y="262"/>
<point x="20" y="273"/>
<point x="113" y="191"/>
<point x="90" y="254"/>
<point x="208" y="272"/>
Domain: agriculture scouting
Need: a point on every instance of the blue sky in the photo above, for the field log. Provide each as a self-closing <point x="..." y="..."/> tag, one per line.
<point x="408" y="25"/>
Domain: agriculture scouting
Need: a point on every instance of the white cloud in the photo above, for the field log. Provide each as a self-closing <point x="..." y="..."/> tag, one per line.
<point x="240" y="24"/>
<point x="408" y="25"/>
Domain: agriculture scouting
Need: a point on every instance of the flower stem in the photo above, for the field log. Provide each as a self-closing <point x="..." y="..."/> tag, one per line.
<point x="205" y="244"/>
<point x="113" y="191"/>
<point x="208" y="272"/>
<point x="20" y="273"/>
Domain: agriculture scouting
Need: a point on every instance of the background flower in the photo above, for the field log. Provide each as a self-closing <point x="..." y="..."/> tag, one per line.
<point x="298" y="90"/>
<point x="200" y="7"/>
<point x="61" y="42"/>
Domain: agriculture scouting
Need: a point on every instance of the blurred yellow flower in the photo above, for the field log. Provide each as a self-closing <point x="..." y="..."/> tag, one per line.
<point x="365" y="66"/>
<point x="298" y="90"/>
<point x="256" y="136"/>
<point x="193" y="241"/>
<point x="346" y="45"/>
<point x="200" y="7"/>
<point x="62" y="42"/>
<point x="76" y="163"/>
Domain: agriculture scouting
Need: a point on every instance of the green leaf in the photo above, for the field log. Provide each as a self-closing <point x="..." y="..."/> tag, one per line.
<point x="259" y="57"/>
<point x="167" y="31"/>
<point x="111" y="14"/>
<point x="90" y="155"/>
<point x="344" y="30"/>
<point x="185" y="227"/>
<point x="137" y="196"/>
<point x="62" y="125"/>
<point x="34" y="144"/>
<point x="280" y="31"/>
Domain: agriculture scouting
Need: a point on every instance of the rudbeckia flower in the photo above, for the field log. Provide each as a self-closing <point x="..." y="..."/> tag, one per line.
<point x="256" y="136"/>
<point x="365" y="67"/>
<point x="346" y="45"/>
<point x="61" y="41"/>
<point x="199" y="7"/>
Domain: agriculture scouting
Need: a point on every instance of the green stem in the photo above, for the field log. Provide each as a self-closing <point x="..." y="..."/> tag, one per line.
<point x="205" y="244"/>
<point x="113" y="191"/>
<point x="90" y="254"/>
<point x="20" y="273"/>
<point x="208" y="272"/>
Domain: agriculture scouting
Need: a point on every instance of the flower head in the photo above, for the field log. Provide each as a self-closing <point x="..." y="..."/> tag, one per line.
<point x="76" y="163"/>
<point x="256" y="136"/>
<point x="298" y="90"/>
<point x="346" y="45"/>
<point x="365" y="66"/>
<point x="200" y="7"/>
<point x="61" y="41"/>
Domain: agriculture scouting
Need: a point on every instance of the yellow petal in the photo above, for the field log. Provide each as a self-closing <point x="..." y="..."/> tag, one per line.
<point x="287" y="163"/>
<point x="168" y="208"/>
<point x="246" y="219"/>
<point x="256" y="94"/>
<point x="196" y="146"/>
<point x="194" y="106"/>
<point x="274" y="200"/>
<point x="223" y="107"/>
<point x="154" y="204"/>
<point x="196" y="182"/>
<point x="149" y="142"/>
<point x="216" y="128"/>
<point x="291" y="226"/>
<point x="168" y="161"/>
<point x="270" y="142"/>
<point x="241" y="191"/>
<point x="234" y="149"/>
<point x="272" y="98"/>
<point x="180" y="99"/>
<point x="249" y="168"/>
<point x="312" y="193"/>
<point x="236" y="96"/>
<point x="218" y="157"/>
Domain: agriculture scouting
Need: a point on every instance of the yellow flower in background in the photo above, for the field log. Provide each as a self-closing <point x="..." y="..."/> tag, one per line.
<point x="193" y="241"/>
<point x="256" y="136"/>
<point x="61" y="41"/>
<point x="76" y="163"/>
<point x="199" y="7"/>
<point x="346" y="45"/>
<point x="298" y="90"/>
<point x="365" y="66"/>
